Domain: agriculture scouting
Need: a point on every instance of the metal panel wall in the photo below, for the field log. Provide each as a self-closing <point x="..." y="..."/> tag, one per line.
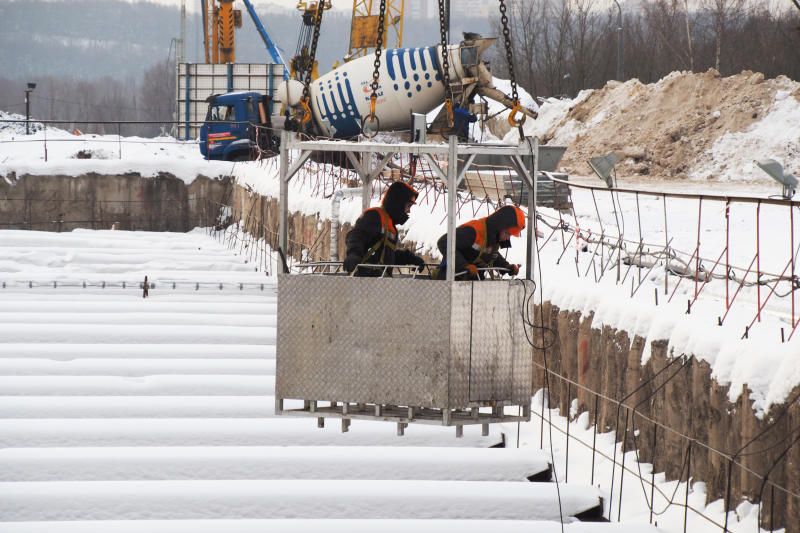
<point x="363" y="340"/>
<point x="494" y="314"/>
<point x="197" y="81"/>
<point x="406" y="342"/>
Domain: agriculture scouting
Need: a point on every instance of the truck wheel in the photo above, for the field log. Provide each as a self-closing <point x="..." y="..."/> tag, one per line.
<point x="239" y="156"/>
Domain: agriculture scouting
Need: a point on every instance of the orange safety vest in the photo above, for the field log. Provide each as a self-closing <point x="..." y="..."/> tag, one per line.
<point x="479" y="245"/>
<point x="389" y="239"/>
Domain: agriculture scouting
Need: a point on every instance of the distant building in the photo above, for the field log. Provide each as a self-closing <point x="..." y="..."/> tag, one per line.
<point x="422" y="9"/>
<point x="429" y="9"/>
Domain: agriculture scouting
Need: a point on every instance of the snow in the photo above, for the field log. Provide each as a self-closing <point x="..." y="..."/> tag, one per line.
<point x="322" y="526"/>
<point x="775" y="136"/>
<point x="192" y="367"/>
<point x="101" y="428"/>
<point x="583" y="467"/>
<point x="290" y="498"/>
<point x="270" y="463"/>
<point x="54" y="151"/>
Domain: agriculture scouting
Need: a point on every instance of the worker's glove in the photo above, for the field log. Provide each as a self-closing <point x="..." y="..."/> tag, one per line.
<point x="351" y="262"/>
<point x="419" y="262"/>
<point x="472" y="271"/>
<point x="513" y="269"/>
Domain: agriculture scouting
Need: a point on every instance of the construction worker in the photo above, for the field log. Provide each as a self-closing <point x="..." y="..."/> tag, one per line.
<point x="373" y="239"/>
<point x="462" y="118"/>
<point x="478" y="244"/>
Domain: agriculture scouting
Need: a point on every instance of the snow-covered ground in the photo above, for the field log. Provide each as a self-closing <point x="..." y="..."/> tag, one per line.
<point x="117" y="407"/>
<point x="55" y="151"/>
<point x="130" y="414"/>
<point x="118" y="386"/>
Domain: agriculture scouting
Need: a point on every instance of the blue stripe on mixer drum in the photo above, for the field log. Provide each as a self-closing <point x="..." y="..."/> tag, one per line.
<point x="341" y="112"/>
<point x="414" y="75"/>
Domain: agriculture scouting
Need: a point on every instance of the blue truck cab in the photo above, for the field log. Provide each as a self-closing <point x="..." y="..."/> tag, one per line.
<point x="237" y="127"/>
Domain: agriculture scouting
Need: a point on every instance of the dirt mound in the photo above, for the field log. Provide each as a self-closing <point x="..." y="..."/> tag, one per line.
<point x="687" y="125"/>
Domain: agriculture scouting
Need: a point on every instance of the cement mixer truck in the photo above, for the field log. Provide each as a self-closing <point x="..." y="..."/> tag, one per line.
<point x="410" y="81"/>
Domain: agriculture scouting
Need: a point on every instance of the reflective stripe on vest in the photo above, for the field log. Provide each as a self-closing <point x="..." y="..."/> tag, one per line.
<point x="389" y="232"/>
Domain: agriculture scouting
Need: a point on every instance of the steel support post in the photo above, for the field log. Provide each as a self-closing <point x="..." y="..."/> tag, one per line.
<point x="366" y="180"/>
<point x="283" y="221"/>
<point x="533" y="249"/>
<point x="452" y="206"/>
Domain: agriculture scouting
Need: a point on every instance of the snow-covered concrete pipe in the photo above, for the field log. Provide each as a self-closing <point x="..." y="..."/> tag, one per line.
<point x="335" y="206"/>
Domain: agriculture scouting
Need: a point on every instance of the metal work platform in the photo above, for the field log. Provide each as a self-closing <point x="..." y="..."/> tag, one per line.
<point x="405" y="349"/>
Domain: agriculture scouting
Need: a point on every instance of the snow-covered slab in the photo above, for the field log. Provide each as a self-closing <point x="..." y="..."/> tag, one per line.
<point x="168" y="385"/>
<point x="197" y="241"/>
<point x="134" y="367"/>
<point x="323" y="526"/>
<point x="35" y="302"/>
<point x="282" y="431"/>
<point x="139" y="406"/>
<point x="142" y="319"/>
<point x="120" y="500"/>
<point x="281" y="462"/>
<point x="144" y="350"/>
<point x="133" y="333"/>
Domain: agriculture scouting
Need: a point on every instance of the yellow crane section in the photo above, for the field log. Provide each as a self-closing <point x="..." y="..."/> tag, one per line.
<point x="364" y="27"/>
<point x="302" y="61"/>
<point x="220" y="21"/>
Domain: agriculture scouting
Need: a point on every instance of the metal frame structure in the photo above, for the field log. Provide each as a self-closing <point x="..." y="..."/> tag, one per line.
<point x="452" y="175"/>
<point x="363" y="27"/>
<point x="441" y="370"/>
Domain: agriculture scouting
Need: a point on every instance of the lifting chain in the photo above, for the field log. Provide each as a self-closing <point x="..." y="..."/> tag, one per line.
<point x="305" y="102"/>
<point x="366" y="128"/>
<point x="448" y="91"/>
<point x="515" y="123"/>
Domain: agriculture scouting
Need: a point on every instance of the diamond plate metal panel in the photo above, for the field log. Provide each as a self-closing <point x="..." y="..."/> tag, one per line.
<point x="460" y="334"/>
<point x="363" y="340"/>
<point x="492" y="343"/>
<point x="418" y="343"/>
<point x="523" y="351"/>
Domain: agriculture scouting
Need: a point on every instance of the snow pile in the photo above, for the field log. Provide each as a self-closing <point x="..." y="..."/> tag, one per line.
<point x="687" y="125"/>
<point x="776" y="136"/>
<point x="16" y="124"/>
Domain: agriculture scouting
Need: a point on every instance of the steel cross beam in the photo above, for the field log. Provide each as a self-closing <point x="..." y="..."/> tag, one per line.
<point x="409" y="148"/>
<point x="453" y="177"/>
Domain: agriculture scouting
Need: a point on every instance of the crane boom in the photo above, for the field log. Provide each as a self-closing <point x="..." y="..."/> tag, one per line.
<point x="272" y="48"/>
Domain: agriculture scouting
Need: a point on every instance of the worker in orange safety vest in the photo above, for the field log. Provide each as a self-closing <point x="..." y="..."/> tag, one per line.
<point x="478" y="244"/>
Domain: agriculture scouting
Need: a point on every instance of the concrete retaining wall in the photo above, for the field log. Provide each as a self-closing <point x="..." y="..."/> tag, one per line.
<point x="63" y="203"/>
<point x="692" y="404"/>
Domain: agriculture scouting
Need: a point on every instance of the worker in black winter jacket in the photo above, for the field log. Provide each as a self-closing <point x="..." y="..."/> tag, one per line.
<point x="373" y="239"/>
<point x="478" y="244"/>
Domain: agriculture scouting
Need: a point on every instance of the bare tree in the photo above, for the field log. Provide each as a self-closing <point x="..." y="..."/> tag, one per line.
<point x="723" y="13"/>
<point x="688" y="34"/>
<point x="157" y="94"/>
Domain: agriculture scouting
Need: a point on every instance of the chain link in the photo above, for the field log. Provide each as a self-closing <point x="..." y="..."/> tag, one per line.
<point x="371" y="118"/>
<point x="378" y="53"/>
<point x="509" y="53"/>
<point x="448" y="90"/>
<point x="517" y="107"/>
<point x="312" y="58"/>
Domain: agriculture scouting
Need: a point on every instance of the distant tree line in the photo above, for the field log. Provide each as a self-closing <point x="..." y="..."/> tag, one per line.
<point x="100" y="60"/>
<point x="83" y="103"/>
<point x="563" y="46"/>
<point x="559" y="47"/>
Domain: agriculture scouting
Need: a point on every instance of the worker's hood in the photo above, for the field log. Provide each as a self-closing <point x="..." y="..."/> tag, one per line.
<point x="508" y="217"/>
<point x="394" y="201"/>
